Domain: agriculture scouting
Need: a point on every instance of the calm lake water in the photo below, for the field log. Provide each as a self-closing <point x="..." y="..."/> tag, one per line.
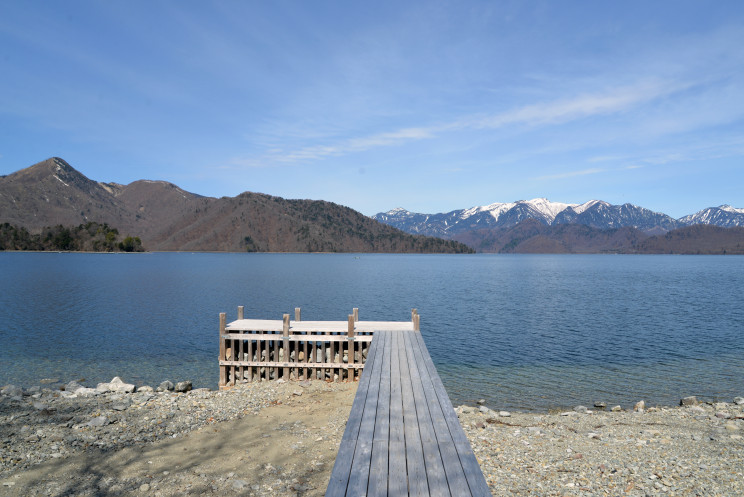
<point x="522" y="331"/>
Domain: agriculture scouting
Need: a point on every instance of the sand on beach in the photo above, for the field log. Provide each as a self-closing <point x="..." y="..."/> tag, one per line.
<point x="287" y="448"/>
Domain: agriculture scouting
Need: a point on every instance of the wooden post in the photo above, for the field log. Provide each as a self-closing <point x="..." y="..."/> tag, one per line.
<point x="223" y="369"/>
<point x="241" y="351"/>
<point x="285" y="340"/>
<point x="356" y="314"/>
<point x="349" y="348"/>
<point x="417" y="322"/>
<point x="240" y="312"/>
<point x="298" y="315"/>
<point x="250" y="358"/>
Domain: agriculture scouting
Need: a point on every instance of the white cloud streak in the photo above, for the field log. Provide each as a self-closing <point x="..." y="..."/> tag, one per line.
<point x="614" y="101"/>
<point x="571" y="174"/>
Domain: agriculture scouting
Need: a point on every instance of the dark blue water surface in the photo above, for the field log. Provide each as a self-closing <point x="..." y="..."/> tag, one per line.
<point x="523" y="332"/>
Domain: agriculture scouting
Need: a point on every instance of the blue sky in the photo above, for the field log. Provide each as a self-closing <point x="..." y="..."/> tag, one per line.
<point x="432" y="106"/>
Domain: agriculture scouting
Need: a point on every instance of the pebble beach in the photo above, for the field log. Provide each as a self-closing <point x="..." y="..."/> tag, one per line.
<point x="280" y="439"/>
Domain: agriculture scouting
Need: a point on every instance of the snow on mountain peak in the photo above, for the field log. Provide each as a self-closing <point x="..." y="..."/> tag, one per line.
<point x="730" y="209"/>
<point x="397" y="210"/>
<point x="578" y="209"/>
<point x="547" y="208"/>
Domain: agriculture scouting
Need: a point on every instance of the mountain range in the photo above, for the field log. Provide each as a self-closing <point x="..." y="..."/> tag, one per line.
<point x="168" y="218"/>
<point x="541" y="226"/>
<point x="595" y="213"/>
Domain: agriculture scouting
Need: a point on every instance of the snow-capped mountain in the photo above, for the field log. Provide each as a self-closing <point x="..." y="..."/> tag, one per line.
<point x="724" y="216"/>
<point x="594" y="213"/>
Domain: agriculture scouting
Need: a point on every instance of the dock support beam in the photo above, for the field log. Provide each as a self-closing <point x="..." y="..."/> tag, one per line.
<point x="223" y="369"/>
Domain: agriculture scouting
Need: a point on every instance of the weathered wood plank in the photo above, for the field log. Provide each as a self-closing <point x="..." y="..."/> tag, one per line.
<point x="281" y="364"/>
<point x="471" y="468"/>
<point x="435" y="475"/>
<point x="379" y="464"/>
<point x="341" y="469"/>
<point x="417" y="483"/>
<point x="397" y="477"/>
<point x="340" y="475"/>
<point x="456" y="479"/>
<point x="360" y="469"/>
<point x="276" y="325"/>
<point x="396" y="398"/>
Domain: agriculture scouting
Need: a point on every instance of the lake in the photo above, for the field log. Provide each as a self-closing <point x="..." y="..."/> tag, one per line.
<point x="525" y="332"/>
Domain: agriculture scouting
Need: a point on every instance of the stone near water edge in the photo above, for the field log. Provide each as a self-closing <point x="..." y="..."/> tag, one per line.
<point x="600" y="405"/>
<point x="484" y="410"/>
<point x="616" y="409"/>
<point x="739" y="401"/>
<point x="183" y="386"/>
<point x="117" y="385"/>
<point x="145" y="389"/>
<point x="86" y="392"/>
<point x="11" y="391"/>
<point x="689" y="401"/>
<point x="580" y="409"/>
<point x="98" y="422"/>
<point x="640" y="406"/>
<point x="504" y="414"/>
<point x="481" y="402"/>
<point x="166" y="386"/>
<point x="72" y="386"/>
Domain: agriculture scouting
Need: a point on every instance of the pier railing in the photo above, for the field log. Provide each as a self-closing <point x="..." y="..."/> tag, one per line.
<point x="258" y="349"/>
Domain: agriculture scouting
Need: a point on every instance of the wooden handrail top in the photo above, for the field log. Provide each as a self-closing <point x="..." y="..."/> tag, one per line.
<point x="276" y="325"/>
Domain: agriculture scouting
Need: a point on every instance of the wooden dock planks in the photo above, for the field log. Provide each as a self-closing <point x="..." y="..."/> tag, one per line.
<point x="403" y="436"/>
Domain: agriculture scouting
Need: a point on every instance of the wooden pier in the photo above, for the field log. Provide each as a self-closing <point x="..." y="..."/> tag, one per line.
<point x="403" y="437"/>
<point x="264" y="349"/>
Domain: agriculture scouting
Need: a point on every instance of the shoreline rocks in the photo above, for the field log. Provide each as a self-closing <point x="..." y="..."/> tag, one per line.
<point x="692" y="449"/>
<point x="695" y="448"/>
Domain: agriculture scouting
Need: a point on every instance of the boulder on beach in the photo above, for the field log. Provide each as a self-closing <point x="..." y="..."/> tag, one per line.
<point x="116" y="385"/>
<point x="183" y="386"/>
<point x="166" y="386"/>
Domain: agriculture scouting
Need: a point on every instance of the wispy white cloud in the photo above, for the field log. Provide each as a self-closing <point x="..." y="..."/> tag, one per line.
<point x="571" y="174"/>
<point x="613" y="101"/>
<point x="583" y="106"/>
<point x="342" y="148"/>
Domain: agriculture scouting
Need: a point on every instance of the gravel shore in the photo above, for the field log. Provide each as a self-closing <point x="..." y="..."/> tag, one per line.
<point x="268" y="438"/>
<point x="691" y="450"/>
<point x="274" y="438"/>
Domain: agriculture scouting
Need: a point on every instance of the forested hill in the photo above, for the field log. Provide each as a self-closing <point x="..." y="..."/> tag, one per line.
<point x="89" y="237"/>
<point x="165" y="217"/>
